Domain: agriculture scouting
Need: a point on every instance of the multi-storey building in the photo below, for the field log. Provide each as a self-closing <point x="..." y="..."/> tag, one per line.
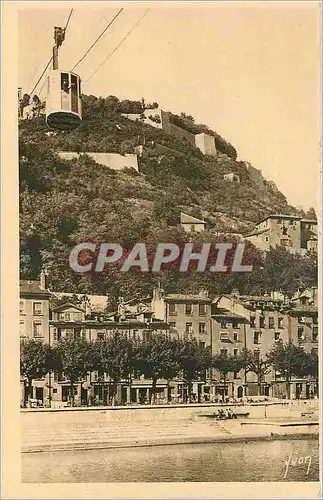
<point x="34" y="322"/>
<point x="295" y="234"/>
<point x="269" y="320"/>
<point x="70" y="321"/>
<point x="34" y="310"/>
<point x="191" y="317"/>
<point x="228" y="324"/>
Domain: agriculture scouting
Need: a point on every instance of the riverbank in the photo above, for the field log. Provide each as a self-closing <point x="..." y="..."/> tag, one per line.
<point x="78" y="429"/>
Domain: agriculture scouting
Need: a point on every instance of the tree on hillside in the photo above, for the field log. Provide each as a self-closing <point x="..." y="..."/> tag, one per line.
<point x="282" y="271"/>
<point x="34" y="363"/>
<point x="287" y="359"/>
<point x="252" y="362"/>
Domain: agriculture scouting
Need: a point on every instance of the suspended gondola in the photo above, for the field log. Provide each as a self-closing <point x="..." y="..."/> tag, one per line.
<point x="63" y="102"/>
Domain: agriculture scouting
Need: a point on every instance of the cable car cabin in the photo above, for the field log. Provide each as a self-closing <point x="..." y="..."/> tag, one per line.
<point x="63" y="103"/>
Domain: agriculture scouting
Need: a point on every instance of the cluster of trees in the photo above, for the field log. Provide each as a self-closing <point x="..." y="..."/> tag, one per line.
<point x="157" y="357"/>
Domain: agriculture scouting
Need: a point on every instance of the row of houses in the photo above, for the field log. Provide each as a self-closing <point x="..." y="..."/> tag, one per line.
<point x="295" y="234"/>
<point x="228" y="324"/>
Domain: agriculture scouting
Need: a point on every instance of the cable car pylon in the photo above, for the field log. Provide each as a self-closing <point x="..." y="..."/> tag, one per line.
<point x="63" y="102"/>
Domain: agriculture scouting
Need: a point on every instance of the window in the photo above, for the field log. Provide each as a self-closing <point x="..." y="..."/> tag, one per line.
<point x="235" y="323"/>
<point x="280" y="322"/>
<point x="77" y="334"/>
<point x="271" y="322"/>
<point x="37" y="329"/>
<point x="64" y="82"/>
<point x="284" y="229"/>
<point x="202" y="328"/>
<point x="202" y="344"/>
<point x="224" y="352"/>
<point x="235" y="337"/>
<point x="135" y="334"/>
<point x="277" y="336"/>
<point x="172" y="310"/>
<point x="262" y="322"/>
<point x="21" y="307"/>
<point x="252" y="321"/>
<point x="67" y="316"/>
<point x="223" y="323"/>
<point x="22" y="327"/>
<point x="100" y="336"/>
<point x="224" y="336"/>
<point x="146" y="335"/>
<point x="235" y="375"/>
<point x="256" y="353"/>
<point x="188" y="327"/>
<point x="69" y="333"/>
<point x="37" y="308"/>
<point x="266" y="239"/>
<point x="74" y="96"/>
<point x="202" y="310"/>
<point x="188" y="309"/>
<point x="300" y="333"/>
<point x="235" y="352"/>
<point x="284" y="243"/>
<point x="315" y="332"/>
<point x="256" y="337"/>
<point x="172" y="324"/>
<point x="192" y="228"/>
<point x="314" y="320"/>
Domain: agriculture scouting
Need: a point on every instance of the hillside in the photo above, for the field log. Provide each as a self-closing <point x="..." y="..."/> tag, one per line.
<point x="63" y="202"/>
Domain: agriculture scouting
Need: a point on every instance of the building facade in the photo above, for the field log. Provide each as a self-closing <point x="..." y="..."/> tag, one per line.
<point x="295" y="234"/>
<point x="227" y="325"/>
<point x="206" y="144"/>
<point x="267" y="321"/>
<point x="115" y="161"/>
<point x="191" y="224"/>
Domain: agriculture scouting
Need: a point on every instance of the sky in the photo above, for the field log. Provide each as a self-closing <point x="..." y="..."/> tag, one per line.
<point x="249" y="70"/>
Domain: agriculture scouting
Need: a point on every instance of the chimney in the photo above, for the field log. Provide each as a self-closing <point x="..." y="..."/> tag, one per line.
<point x="43" y="275"/>
<point x="314" y="295"/>
<point x="158" y="293"/>
<point x="203" y="293"/>
<point x="86" y="305"/>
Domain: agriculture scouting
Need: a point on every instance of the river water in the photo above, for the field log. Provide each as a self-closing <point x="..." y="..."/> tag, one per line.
<point x="220" y="462"/>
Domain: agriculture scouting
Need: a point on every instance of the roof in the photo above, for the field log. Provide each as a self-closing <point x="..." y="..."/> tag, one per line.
<point x="257" y="232"/>
<point x="222" y="313"/>
<point x="32" y="288"/>
<point x="67" y="305"/>
<point x="280" y="216"/>
<point x="304" y="311"/>
<point x="189" y="219"/>
<point x="177" y="297"/>
<point x="259" y="298"/>
<point x="309" y="221"/>
<point x="99" y="324"/>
